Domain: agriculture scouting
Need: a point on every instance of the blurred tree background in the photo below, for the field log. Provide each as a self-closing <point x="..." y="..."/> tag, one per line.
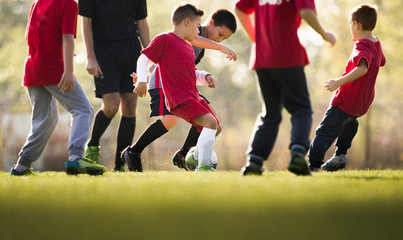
<point x="376" y="146"/>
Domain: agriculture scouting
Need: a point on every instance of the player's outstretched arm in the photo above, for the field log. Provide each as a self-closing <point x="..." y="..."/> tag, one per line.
<point x="311" y="18"/>
<point x="356" y="73"/>
<point x="202" y="42"/>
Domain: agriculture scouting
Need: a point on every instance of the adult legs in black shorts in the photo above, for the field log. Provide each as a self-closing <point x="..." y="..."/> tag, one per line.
<point x="117" y="60"/>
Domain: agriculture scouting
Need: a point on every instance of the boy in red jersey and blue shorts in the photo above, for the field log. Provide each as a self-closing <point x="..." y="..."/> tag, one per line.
<point x="175" y="58"/>
<point x="355" y="91"/>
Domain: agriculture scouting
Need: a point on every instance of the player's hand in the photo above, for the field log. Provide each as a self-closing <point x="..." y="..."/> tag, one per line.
<point x="329" y="37"/>
<point x="67" y="82"/>
<point x="141" y="89"/>
<point x="93" y="67"/>
<point x="231" y="55"/>
<point x="210" y="80"/>
<point x="135" y="77"/>
<point x="332" y="85"/>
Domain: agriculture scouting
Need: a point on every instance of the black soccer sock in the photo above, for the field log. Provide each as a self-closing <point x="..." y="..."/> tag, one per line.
<point x="101" y="123"/>
<point x="191" y="140"/>
<point x="154" y="131"/>
<point x="125" y="137"/>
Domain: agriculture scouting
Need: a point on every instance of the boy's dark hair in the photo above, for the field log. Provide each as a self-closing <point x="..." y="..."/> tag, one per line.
<point x="366" y="15"/>
<point x="184" y="11"/>
<point x="223" y="17"/>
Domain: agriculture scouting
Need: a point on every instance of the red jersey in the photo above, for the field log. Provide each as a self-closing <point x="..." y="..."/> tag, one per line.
<point x="175" y="59"/>
<point x="276" y="39"/>
<point x="47" y="22"/>
<point x="355" y="98"/>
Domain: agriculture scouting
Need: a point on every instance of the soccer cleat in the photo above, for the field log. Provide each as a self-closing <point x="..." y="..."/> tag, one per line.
<point x="132" y="159"/>
<point x="204" y="168"/>
<point x="191" y="163"/>
<point x="119" y="169"/>
<point x="252" y="168"/>
<point x="335" y="163"/>
<point x="298" y="164"/>
<point x="179" y="160"/>
<point x="27" y="172"/>
<point x="93" y="153"/>
<point x="84" y="165"/>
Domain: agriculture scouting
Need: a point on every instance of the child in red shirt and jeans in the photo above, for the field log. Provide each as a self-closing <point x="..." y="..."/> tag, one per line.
<point x="355" y="91"/>
<point x="279" y="59"/>
<point x="175" y="58"/>
<point x="49" y="78"/>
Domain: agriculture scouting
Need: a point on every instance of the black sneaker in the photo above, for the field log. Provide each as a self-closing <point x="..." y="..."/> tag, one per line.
<point x="298" y="165"/>
<point x="179" y="160"/>
<point x="132" y="159"/>
<point x="314" y="166"/>
<point x="252" y="168"/>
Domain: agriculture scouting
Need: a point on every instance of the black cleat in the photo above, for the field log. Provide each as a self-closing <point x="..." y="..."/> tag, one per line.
<point x="298" y="165"/>
<point x="132" y="159"/>
<point x="179" y="160"/>
<point x="252" y="168"/>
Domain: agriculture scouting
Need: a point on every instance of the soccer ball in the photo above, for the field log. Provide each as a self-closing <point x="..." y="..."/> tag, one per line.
<point x="191" y="163"/>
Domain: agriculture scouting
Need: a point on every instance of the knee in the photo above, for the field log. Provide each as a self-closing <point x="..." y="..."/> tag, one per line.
<point x="53" y="120"/>
<point x="129" y="109"/>
<point x="219" y="129"/>
<point x="88" y="112"/>
<point x="169" y="121"/>
<point x="110" y="110"/>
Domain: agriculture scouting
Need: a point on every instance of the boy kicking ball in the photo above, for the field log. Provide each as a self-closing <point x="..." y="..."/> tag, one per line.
<point x="220" y="25"/>
<point x="355" y="91"/>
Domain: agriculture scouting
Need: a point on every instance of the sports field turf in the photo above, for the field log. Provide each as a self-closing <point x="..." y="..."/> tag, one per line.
<point x="188" y="205"/>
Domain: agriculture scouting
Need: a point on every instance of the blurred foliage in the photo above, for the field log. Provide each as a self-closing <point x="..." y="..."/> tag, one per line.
<point x="235" y="97"/>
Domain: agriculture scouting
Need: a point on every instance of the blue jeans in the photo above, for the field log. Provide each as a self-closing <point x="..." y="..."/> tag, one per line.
<point x="281" y="88"/>
<point x="335" y="124"/>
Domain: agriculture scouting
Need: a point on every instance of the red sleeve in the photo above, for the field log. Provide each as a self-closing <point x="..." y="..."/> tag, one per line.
<point x="70" y="13"/>
<point x="246" y="6"/>
<point x="301" y="4"/>
<point x="155" y="48"/>
<point x="383" y="60"/>
<point x="361" y="50"/>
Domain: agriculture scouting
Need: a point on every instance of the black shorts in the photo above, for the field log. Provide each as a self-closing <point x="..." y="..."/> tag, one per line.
<point x="157" y="103"/>
<point x="117" y="59"/>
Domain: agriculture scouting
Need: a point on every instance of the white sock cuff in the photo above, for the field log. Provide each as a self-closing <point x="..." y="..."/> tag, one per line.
<point x="208" y="133"/>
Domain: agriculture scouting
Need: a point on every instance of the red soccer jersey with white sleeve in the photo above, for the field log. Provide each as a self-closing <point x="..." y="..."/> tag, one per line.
<point x="276" y="39"/>
<point x="355" y="98"/>
<point x="48" y="21"/>
<point x="175" y="59"/>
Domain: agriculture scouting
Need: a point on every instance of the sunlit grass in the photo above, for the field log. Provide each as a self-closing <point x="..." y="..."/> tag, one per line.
<point x="220" y="205"/>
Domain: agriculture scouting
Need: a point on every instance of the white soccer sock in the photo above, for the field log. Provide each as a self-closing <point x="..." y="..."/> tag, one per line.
<point x="205" y="145"/>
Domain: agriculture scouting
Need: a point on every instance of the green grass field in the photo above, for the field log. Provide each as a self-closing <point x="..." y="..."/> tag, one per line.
<point x="188" y="205"/>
